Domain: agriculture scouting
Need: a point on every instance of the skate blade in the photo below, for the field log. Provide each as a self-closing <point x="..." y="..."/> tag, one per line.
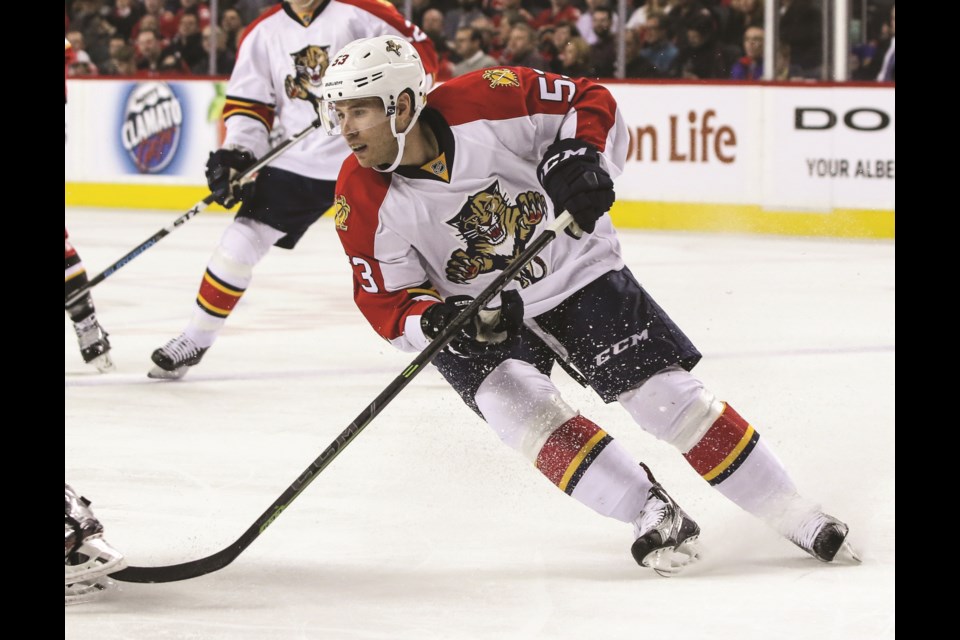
<point x="81" y="592"/>
<point x="670" y="561"/>
<point x="848" y="553"/>
<point x="162" y="374"/>
<point x="103" y="363"/>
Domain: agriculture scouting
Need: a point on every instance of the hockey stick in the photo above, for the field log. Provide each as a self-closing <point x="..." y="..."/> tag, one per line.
<point x="220" y="559"/>
<point x="197" y="208"/>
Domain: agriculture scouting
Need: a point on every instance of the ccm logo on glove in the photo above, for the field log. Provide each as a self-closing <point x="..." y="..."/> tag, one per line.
<point x="573" y="177"/>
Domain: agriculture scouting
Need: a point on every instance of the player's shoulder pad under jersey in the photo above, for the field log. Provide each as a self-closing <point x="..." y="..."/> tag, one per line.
<point x="257" y="22"/>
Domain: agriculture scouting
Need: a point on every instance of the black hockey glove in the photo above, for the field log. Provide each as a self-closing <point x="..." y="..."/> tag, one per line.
<point x="490" y="331"/>
<point x="222" y="169"/>
<point x="572" y="176"/>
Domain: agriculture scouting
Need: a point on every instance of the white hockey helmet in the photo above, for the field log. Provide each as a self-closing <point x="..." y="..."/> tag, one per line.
<point x="381" y="67"/>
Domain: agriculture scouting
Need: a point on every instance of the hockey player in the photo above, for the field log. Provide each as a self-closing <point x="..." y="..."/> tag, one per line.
<point x="93" y="340"/>
<point x="442" y="192"/>
<point x="94" y="345"/>
<point x="275" y="83"/>
<point x="88" y="558"/>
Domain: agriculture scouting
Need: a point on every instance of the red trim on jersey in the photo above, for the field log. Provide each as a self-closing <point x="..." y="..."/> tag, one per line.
<point x="249" y="108"/>
<point x="357" y="219"/>
<point x="462" y="98"/>
<point x="389" y="14"/>
<point x="383" y="10"/>
<point x="250" y="27"/>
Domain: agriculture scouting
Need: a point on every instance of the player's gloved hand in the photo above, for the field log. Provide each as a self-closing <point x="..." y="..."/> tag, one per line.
<point x="223" y="165"/>
<point x="489" y="331"/>
<point x="572" y="176"/>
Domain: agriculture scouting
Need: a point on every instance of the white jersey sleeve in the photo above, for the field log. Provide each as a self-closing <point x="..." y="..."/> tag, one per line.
<point x="450" y="227"/>
<point x="274" y="90"/>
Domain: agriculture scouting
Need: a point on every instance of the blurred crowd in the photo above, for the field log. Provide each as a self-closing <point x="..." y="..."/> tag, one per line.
<point x="685" y="39"/>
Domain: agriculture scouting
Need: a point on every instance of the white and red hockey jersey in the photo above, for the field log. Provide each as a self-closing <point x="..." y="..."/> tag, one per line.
<point x="451" y="226"/>
<point x="280" y="62"/>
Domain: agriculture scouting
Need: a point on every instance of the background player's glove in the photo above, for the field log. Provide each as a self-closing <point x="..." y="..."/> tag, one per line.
<point x="572" y="176"/>
<point x="223" y="165"/>
<point x="491" y="330"/>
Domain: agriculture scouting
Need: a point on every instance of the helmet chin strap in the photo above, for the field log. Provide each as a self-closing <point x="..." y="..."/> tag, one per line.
<point x="401" y="141"/>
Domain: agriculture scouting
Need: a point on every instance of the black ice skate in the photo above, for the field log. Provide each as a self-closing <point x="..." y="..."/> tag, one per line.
<point x="823" y="537"/>
<point x="666" y="537"/>
<point x="175" y="358"/>
<point x="94" y="345"/>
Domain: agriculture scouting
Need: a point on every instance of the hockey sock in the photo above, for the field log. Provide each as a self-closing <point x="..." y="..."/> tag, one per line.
<point x="735" y="461"/>
<point x="244" y="243"/>
<point x="75" y="278"/>
<point x="715" y="440"/>
<point x="584" y="462"/>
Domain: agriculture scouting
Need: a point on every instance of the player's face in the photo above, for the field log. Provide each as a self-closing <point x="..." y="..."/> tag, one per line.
<point x="366" y="128"/>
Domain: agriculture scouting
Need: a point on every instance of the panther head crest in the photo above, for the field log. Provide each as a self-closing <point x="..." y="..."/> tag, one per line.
<point x="310" y="62"/>
<point x="483" y="217"/>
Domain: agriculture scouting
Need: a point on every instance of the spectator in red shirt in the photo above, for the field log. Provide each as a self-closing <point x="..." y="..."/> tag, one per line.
<point x="750" y="66"/>
<point x="559" y="11"/>
<point x="197" y="8"/>
<point x="163" y="21"/>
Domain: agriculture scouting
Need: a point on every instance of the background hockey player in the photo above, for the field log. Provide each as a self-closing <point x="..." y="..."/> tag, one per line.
<point x="281" y="59"/>
<point x="94" y="344"/>
<point x="443" y="192"/>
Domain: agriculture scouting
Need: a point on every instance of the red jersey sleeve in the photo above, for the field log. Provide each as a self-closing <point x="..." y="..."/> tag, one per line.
<point x="389" y="14"/>
<point x="359" y="195"/>
<point x="503" y="93"/>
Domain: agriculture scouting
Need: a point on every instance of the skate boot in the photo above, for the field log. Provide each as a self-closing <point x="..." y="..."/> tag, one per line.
<point x="666" y="537"/>
<point x="94" y="345"/>
<point x="87" y="557"/>
<point x="824" y="537"/>
<point x="175" y="358"/>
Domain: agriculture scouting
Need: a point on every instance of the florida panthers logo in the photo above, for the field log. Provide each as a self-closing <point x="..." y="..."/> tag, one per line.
<point x="496" y="232"/>
<point x="310" y="63"/>
<point x="393" y="47"/>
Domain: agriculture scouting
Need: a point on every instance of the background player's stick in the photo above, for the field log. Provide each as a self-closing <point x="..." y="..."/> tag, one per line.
<point x="241" y="177"/>
<point x="220" y="559"/>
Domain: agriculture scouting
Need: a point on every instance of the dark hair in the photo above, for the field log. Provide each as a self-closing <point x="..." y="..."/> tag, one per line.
<point x="475" y="34"/>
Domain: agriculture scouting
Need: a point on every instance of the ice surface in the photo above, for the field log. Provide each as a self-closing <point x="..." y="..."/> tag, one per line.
<point x="426" y="526"/>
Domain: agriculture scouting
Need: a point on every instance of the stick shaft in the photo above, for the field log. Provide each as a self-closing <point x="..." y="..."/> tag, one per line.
<point x="197" y="208"/>
<point x="220" y="559"/>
